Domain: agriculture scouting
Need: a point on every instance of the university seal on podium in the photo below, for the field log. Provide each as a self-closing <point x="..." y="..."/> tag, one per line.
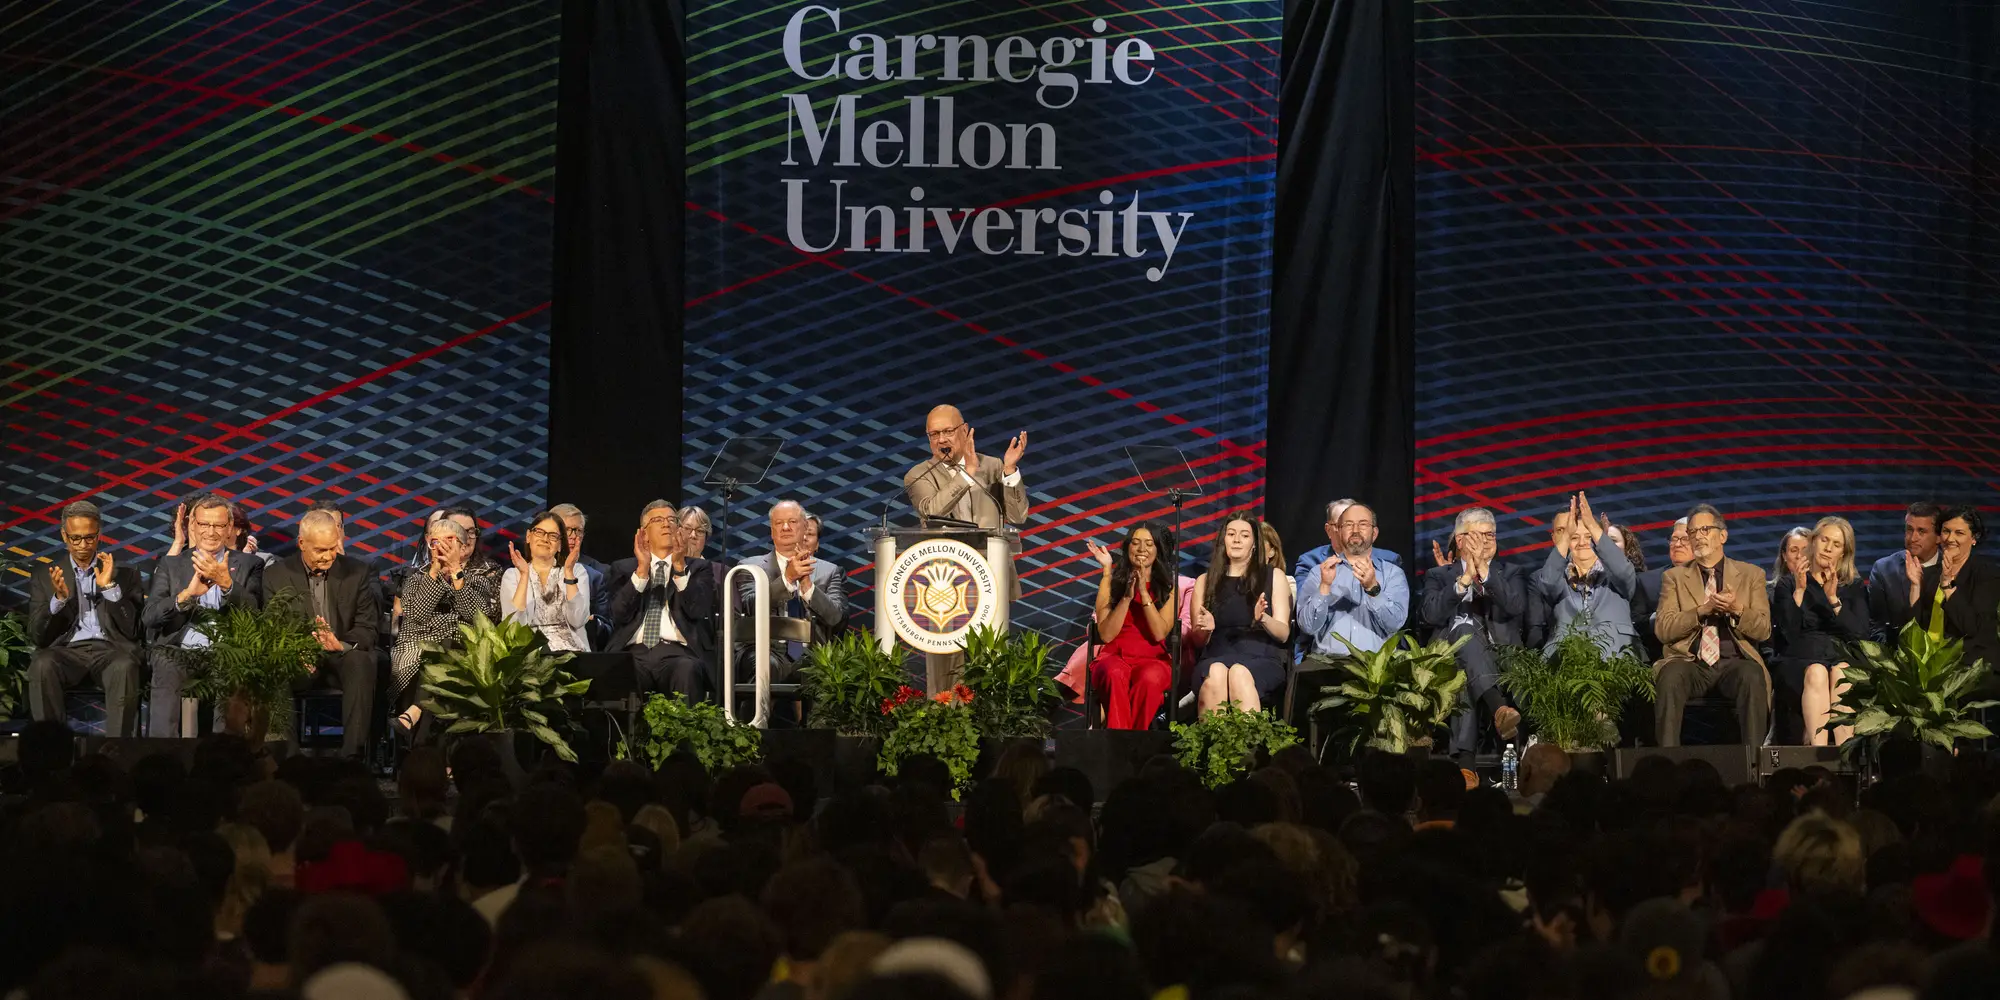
<point x="940" y="589"/>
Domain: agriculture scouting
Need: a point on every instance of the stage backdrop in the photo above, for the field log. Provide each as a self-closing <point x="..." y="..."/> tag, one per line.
<point x="273" y="250"/>
<point x="1674" y="253"/>
<point x="1055" y="216"/>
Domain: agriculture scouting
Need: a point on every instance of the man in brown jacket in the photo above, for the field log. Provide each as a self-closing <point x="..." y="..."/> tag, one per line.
<point x="1713" y="613"/>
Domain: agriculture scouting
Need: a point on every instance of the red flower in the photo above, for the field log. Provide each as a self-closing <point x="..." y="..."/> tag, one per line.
<point x="902" y="697"/>
<point x="962" y="693"/>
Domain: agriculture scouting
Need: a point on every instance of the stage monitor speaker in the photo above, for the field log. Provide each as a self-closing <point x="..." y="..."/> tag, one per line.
<point x="1735" y="760"/>
<point x="1771" y="760"/>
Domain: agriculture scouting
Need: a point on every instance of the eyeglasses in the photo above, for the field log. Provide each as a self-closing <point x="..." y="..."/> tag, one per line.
<point x="1483" y="536"/>
<point x="655" y="521"/>
<point x="79" y="539"/>
<point x="942" y="433"/>
<point x="703" y="530"/>
<point x="1703" y="530"/>
<point x="213" y="526"/>
<point x="542" y="534"/>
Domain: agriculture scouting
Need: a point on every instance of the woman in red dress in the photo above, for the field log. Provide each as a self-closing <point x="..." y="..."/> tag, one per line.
<point x="1134" y="613"/>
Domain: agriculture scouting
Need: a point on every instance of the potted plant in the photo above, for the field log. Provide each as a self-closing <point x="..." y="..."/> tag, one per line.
<point x="941" y="727"/>
<point x="1574" y="696"/>
<point x="1915" y="689"/>
<point x="1221" y="745"/>
<point x="715" y="740"/>
<point x="253" y="659"/>
<point x="1008" y="672"/>
<point x="1397" y="696"/>
<point x="15" y="651"/>
<point x="846" y="680"/>
<point x="500" y="679"/>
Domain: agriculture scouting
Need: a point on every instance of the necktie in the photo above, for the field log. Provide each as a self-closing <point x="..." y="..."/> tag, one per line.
<point x="963" y="510"/>
<point x="656" y="601"/>
<point x="1711" y="640"/>
<point x="795" y="607"/>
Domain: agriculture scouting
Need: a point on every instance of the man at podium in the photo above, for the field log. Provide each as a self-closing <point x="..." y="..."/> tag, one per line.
<point x="958" y="482"/>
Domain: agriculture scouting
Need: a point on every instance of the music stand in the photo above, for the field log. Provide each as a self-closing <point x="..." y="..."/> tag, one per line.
<point x="1162" y="468"/>
<point x="741" y="461"/>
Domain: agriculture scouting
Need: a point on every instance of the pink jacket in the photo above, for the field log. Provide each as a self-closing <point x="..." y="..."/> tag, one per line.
<point x="1076" y="670"/>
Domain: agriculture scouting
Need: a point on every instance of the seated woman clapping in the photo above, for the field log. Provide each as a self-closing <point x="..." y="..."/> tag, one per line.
<point x="1134" y="614"/>
<point x="544" y="589"/>
<point x="1243" y="615"/>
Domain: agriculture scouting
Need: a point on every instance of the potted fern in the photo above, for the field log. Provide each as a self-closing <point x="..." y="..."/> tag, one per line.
<point x="1574" y="696"/>
<point x="845" y="682"/>
<point x="500" y="679"/>
<point x="1916" y="689"/>
<point x="1397" y="696"/>
<point x="1008" y="671"/>
<point x="15" y="650"/>
<point x="715" y="740"/>
<point x="253" y="660"/>
<point x="1220" y="746"/>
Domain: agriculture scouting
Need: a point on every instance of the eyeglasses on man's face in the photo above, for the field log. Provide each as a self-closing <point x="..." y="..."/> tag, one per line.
<point x="1704" y="530"/>
<point x="79" y="539"/>
<point x="944" y="432"/>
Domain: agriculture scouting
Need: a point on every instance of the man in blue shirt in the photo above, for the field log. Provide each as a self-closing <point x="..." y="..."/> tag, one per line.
<point x="1312" y="558"/>
<point x="83" y="616"/>
<point x="1352" y="595"/>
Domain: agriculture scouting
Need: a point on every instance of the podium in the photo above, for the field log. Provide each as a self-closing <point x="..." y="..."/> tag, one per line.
<point x="935" y="584"/>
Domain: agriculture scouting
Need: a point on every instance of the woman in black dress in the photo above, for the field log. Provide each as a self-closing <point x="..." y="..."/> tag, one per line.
<point x="1819" y="605"/>
<point x="1243" y="610"/>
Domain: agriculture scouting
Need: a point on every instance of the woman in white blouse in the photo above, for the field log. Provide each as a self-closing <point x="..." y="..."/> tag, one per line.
<point x="545" y="590"/>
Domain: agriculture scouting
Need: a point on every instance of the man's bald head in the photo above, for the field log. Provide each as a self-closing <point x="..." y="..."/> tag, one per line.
<point x="319" y="539"/>
<point x="945" y="428"/>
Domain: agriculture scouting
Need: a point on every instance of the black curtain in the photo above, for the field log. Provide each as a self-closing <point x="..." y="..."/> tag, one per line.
<point x="1343" y="364"/>
<point x="615" y="349"/>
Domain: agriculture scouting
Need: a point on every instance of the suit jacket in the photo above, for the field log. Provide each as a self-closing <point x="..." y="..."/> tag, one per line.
<point x="1608" y="601"/>
<point x="350" y="596"/>
<point x="693" y="607"/>
<point x="1970" y="612"/>
<point x="1506" y="603"/>
<point x="1889" y="595"/>
<point x="166" y="621"/>
<point x="826" y="609"/>
<point x="935" y="490"/>
<point x="1681" y="591"/>
<point x="120" y="619"/>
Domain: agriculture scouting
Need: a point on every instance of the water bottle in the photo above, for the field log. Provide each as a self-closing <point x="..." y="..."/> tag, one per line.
<point x="1510" y="769"/>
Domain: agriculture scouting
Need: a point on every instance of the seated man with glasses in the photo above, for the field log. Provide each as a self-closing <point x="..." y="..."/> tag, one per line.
<point x="663" y="608"/>
<point x="1471" y="597"/>
<point x="83" y="617"/>
<point x="1713" y="613"/>
<point x="208" y="575"/>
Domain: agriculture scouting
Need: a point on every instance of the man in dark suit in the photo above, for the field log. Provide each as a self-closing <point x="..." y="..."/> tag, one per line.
<point x="208" y="575"/>
<point x="335" y="591"/>
<point x="1714" y="612"/>
<point x="802" y="589"/>
<point x="83" y="616"/>
<point x="1889" y="579"/>
<point x="1472" y="597"/>
<point x="662" y="603"/>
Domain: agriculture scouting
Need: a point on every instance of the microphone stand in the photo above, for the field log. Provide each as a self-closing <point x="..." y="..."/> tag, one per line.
<point x="1174" y="629"/>
<point x="728" y="495"/>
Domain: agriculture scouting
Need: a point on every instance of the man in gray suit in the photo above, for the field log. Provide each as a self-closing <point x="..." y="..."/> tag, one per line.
<point x="802" y="589"/>
<point x="958" y="482"/>
<point x="208" y="575"/>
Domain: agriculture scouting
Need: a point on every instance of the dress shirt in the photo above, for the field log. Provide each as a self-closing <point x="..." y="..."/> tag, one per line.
<point x="210" y="599"/>
<point x="562" y="621"/>
<point x="1349" y="611"/>
<point x="1311" y="558"/>
<point x="83" y="583"/>
<point x="662" y="567"/>
<point x="316" y="584"/>
<point x="805" y="588"/>
<point x="1725" y="624"/>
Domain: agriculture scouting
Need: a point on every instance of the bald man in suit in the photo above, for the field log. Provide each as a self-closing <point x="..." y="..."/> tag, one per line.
<point x="958" y="482"/>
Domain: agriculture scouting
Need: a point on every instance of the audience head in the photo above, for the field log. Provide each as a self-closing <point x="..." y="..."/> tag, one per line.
<point x="809" y="541"/>
<point x="1833" y="549"/>
<point x="81" y="527"/>
<point x="1333" y="512"/>
<point x="1273" y="546"/>
<point x="1440" y="788"/>
<point x="1388" y="781"/>
<point x="1818" y="853"/>
<point x="574" y="522"/>
<point x="241" y="529"/>
<point x="1794" y="554"/>
<point x="1680" y="551"/>
<point x="788" y="525"/>
<point x="1920" y="529"/>
<point x="695" y="529"/>
<point x="451" y="543"/>
<point x="1540" y="766"/>
<point x="320" y="540"/>
<point x="1475" y="534"/>
<point x="659" y="528"/>
<point x="1706" y="534"/>
<point x="1628" y="542"/>
<point x="1357" y="530"/>
<point x="548" y="538"/>
<point x="211" y="524"/>
<point x="1959" y="529"/>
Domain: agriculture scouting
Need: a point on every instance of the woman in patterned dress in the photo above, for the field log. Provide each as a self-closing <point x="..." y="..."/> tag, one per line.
<point x="456" y="587"/>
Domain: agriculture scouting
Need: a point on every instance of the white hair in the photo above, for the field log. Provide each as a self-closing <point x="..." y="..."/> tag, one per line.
<point x="565" y="511"/>
<point x="1333" y="509"/>
<point x="1471" y="516"/>
<point x="1680" y="522"/>
<point x="322" y="520"/>
<point x="789" y="503"/>
<point x="458" y="531"/>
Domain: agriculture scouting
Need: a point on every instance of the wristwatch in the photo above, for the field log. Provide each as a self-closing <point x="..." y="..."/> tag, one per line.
<point x="569" y="581"/>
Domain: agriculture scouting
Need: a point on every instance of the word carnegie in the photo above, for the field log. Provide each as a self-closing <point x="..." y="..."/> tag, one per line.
<point x="933" y="133"/>
<point x="1076" y="232"/>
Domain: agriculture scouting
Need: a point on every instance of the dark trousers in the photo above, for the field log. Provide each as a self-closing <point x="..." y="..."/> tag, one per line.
<point x="113" y="667"/>
<point x="352" y="673"/>
<point x="1682" y="678"/>
<point x="672" y="667"/>
<point x="163" y="695"/>
<point x="1481" y="696"/>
